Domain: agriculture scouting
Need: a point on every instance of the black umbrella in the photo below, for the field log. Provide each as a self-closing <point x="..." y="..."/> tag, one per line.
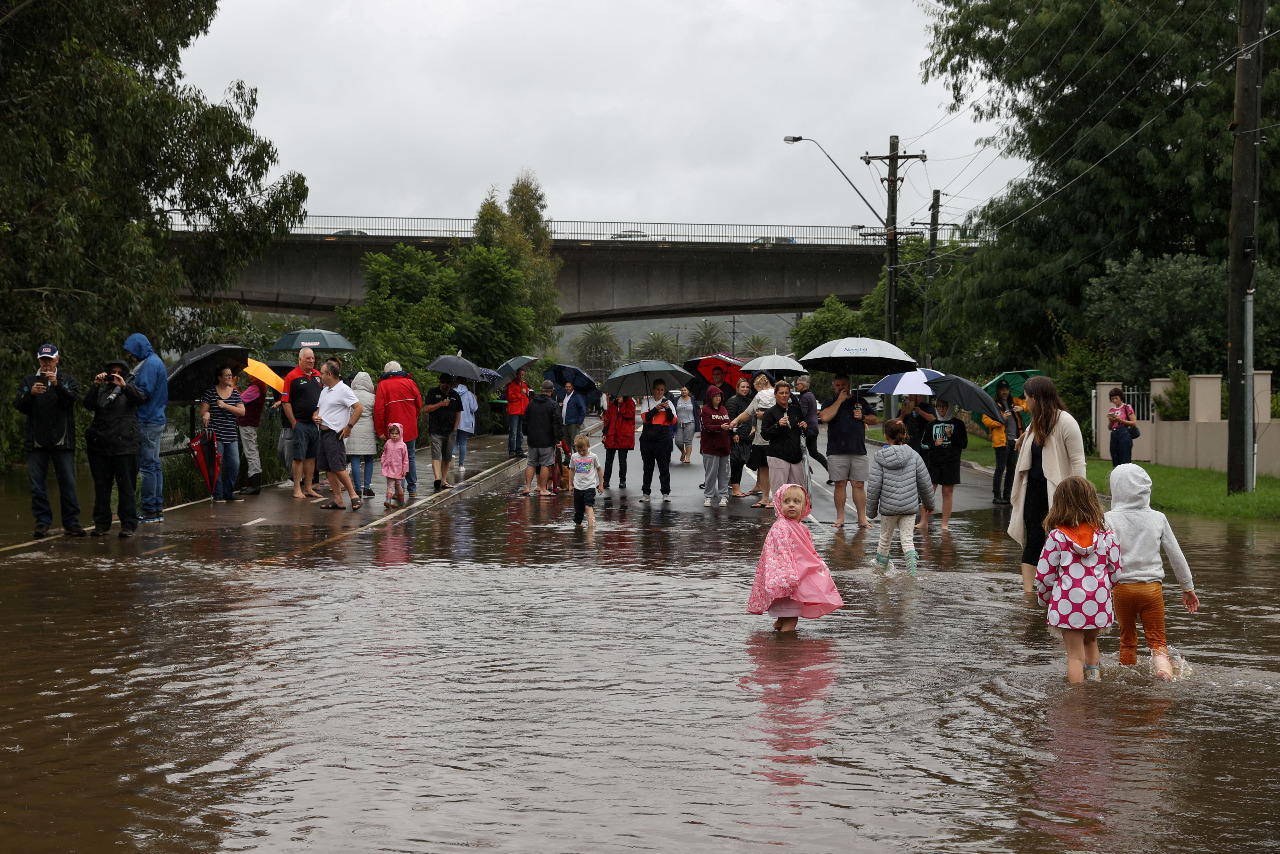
<point x="317" y="339"/>
<point x="507" y="370"/>
<point x="197" y="371"/>
<point x="636" y="379"/>
<point x="965" y="394"/>
<point x="456" y="366"/>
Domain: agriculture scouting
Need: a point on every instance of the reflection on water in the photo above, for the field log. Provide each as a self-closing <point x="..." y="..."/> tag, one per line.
<point x="490" y="676"/>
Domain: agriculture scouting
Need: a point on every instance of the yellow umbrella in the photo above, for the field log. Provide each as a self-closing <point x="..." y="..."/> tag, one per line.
<point x="259" y="371"/>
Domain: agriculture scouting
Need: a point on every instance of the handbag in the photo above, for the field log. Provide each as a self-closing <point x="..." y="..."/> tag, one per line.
<point x="1134" y="432"/>
<point x="740" y="452"/>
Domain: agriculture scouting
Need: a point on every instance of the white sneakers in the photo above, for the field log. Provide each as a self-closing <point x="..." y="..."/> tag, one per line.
<point x="706" y="502"/>
<point x="724" y="502"/>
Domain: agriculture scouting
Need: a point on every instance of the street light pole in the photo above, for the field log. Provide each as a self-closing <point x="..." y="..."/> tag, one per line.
<point x="791" y="140"/>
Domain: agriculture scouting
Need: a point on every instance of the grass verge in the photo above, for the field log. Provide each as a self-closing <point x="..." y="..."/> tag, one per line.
<point x="1198" y="491"/>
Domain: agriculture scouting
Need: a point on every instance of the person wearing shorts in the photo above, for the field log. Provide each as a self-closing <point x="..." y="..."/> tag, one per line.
<point x="444" y="410"/>
<point x="299" y="402"/>
<point x="541" y="427"/>
<point x="337" y="412"/>
<point x="847" y="418"/>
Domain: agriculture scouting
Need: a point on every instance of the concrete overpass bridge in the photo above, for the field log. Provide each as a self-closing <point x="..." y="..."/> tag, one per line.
<point x="612" y="270"/>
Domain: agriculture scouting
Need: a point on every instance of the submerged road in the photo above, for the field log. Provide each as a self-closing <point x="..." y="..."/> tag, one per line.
<point x="477" y="672"/>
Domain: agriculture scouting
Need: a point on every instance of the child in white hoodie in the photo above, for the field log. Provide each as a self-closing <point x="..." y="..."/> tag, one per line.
<point x="1139" y="589"/>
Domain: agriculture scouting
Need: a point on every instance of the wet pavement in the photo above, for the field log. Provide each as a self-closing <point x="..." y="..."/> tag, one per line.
<point x="477" y="672"/>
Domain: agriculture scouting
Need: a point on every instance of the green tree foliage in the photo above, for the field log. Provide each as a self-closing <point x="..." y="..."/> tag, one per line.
<point x="658" y="345"/>
<point x="1171" y="312"/>
<point x="1175" y="404"/>
<point x="757" y="345"/>
<point x="708" y="337"/>
<point x="597" y="349"/>
<point x="832" y="321"/>
<point x="521" y="231"/>
<point x="101" y="143"/>
<point x="1123" y="111"/>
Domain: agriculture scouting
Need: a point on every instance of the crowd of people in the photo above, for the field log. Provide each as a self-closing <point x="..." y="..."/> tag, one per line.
<point x="1087" y="567"/>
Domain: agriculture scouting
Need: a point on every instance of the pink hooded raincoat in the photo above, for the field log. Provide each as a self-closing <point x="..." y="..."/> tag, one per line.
<point x="790" y="568"/>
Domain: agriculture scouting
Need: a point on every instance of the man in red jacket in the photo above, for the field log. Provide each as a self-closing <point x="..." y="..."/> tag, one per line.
<point x="517" y="404"/>
<point x="397" y="400"/>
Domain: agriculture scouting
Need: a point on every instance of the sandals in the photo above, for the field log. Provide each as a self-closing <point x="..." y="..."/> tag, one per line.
<point x="332" y="505"/>
<point x="758" y="504"/>
<point x="356" y="504"/>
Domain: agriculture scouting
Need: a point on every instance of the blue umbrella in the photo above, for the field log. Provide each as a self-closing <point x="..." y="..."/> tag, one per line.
<point x="582" y="382"/>
<point x="908" y="382"/>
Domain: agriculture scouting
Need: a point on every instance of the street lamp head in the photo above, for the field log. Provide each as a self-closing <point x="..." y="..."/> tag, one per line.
<point x="792" y="139"/>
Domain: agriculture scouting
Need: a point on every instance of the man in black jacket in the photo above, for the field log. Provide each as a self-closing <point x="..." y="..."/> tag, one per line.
<point x="114" y="443"/>
<point x="542" y="427"/>
<point x="48" y="399"/>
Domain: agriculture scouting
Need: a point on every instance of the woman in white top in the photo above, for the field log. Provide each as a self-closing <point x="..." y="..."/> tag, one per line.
<point x="1056" y="453"/>
<point x="467" y="423"/>
<point x="686" y="424"/>
<point x="759" y="460"/>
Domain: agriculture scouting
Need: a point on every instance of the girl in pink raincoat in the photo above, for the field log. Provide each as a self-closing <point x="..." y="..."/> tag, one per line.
<point x="395" y="465"/>
<point x="791" y="580"/>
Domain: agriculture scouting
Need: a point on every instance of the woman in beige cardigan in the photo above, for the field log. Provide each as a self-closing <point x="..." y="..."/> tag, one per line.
<point x="1056" y="452"/>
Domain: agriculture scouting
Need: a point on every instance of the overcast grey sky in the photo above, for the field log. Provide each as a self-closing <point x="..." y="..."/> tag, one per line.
<point x="655" y="111"/>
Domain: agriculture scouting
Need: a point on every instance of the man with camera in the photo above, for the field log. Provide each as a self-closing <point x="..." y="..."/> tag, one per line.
<point x="114" y="444"/>
<point x="48" y="399"/>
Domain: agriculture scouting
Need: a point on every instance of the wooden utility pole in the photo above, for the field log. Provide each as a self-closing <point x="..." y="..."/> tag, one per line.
<point x="926" y="360"/>
<point x="891" y="234"/>
<point x="1243" y="249"/>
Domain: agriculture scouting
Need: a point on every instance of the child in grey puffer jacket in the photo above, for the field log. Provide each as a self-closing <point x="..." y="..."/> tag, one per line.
<point x="898" y="484"/>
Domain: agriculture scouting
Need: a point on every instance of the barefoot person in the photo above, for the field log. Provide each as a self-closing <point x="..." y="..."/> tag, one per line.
<point x="847" y="418"/>
<point x="298" y="403"/>
<point x="947" y="440"/>
<point x="540" y="426"/>
<point x="337" y="412"/>
<point x="791" y="581"/>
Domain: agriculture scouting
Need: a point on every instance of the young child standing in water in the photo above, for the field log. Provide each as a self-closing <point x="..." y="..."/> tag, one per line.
<point x="1139" y="592"/>
<point x="791" y="579"/>
<point x="897" y="486"/>
<point x="1077" y="568"/>
<point x="395" y="465"/>
<point x="586" y="480"/>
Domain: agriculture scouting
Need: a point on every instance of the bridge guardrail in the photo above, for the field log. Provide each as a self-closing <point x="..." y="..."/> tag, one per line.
<point x="629" y="232"/>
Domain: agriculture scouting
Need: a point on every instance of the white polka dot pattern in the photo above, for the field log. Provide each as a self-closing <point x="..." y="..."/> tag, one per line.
<point x="1074" y="583"/>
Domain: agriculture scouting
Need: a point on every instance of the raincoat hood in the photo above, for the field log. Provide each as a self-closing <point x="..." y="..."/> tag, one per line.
<point x="777" y="502"/>
<point x="790" y="568"/>
<point x="399" y="427"/>
<point x="896" y="456"/>
<point x="1130" y="488"/>
<point x="138" y="346"/>
<point x="362" y="382"/>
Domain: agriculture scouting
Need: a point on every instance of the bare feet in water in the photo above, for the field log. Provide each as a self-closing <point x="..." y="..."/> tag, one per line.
<point x="785" y="624"/>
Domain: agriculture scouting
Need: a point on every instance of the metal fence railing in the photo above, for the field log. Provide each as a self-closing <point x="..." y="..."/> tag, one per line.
<point x="1140" y="400"/>
<point x="630" y="232"/>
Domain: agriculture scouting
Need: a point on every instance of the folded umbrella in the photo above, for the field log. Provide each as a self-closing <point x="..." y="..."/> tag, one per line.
<point x="858" y="356"/>
<point x="636" y="379"/>
<point x="964" y="394"/>
<point x="261" y="371"/>
<point x="204" y="450"/>
<point x="910" y="382"/>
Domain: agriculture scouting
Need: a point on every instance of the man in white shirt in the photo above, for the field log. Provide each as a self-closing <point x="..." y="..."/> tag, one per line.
<point x="338" y="411"/>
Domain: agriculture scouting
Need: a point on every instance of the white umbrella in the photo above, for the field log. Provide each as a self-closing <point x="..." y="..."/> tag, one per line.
<point x="859" y="356"/>
<point x="778" y="366"/>
<point x="911" y="382"/>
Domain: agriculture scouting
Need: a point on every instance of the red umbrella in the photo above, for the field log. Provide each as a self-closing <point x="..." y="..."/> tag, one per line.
<point x="702" y="366"/>
<point x="204" y="449"/>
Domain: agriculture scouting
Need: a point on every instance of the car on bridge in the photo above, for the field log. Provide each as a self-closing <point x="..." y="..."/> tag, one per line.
<point x="351" y="232"/>
<point x="774" y="241"/>
<point x="629" y="234"/>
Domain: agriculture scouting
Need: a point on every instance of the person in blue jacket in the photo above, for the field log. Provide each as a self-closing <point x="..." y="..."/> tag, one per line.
<point x="151" y="378"/>
<point x="573" y="412"/>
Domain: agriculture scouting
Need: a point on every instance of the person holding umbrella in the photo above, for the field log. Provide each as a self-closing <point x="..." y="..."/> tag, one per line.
<point x="619" y="436"/>
<point x="444" y="411"/>
<point x="114" y="442"/>
<point x="219" y="408"/>
<point x="518" y="396"/>
<point x="1005" y="433"/>
<point x="658" y="417"/>
<point x="847" y="418"/>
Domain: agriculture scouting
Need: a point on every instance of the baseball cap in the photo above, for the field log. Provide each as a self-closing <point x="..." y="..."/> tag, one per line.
<point x="47" y="351"/>
<point x="548" y="386"/>
<point x="391" y="367"/>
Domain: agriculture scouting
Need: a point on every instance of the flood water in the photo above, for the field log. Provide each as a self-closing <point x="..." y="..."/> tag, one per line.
<point x="486" y="676"/>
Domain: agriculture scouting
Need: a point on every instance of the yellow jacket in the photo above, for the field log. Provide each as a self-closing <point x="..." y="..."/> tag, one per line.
<point x="998" y="437"/>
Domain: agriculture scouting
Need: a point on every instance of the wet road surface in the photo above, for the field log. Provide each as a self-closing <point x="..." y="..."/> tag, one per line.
<point x="483" y="674"/>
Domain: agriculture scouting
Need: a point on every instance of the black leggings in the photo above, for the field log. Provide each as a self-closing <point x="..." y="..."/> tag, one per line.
<point x="1006" y="464"/>
<point x="1035" y="506"/>
<point x="811" y="442"/>
<point x="622" y="465"/>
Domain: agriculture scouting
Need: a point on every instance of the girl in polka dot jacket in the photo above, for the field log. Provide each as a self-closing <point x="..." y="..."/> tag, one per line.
<point x="1077" y="569"/>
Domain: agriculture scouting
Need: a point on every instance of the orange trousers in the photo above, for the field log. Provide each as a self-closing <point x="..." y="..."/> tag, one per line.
<point x="1133" y="602"/>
